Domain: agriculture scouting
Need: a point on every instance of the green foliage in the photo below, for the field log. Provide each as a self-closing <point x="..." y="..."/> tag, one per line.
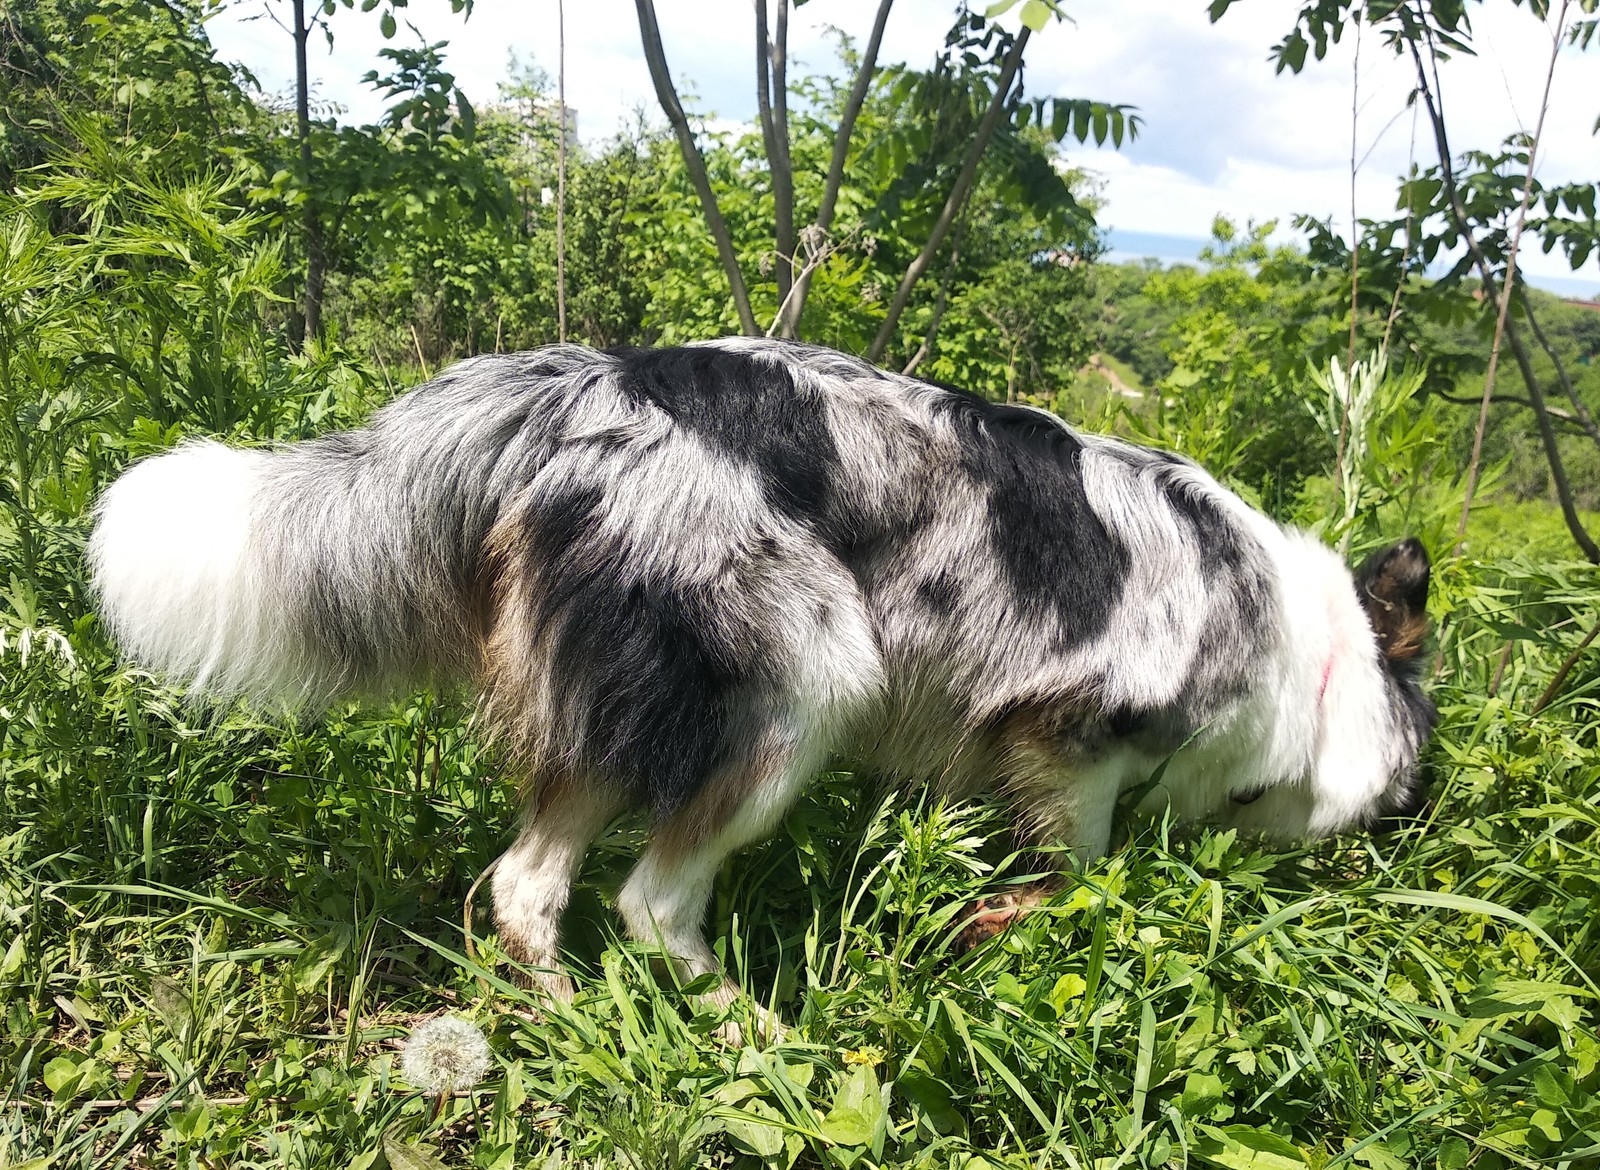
<point x="217" y="924"/>
<point x="1370" y="414"/>
<point x="1239" y="335"/>
<point x="129" y="69"/>
<point x="1476" y="209"/>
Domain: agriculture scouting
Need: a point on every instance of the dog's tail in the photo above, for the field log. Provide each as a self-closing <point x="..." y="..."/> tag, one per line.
<point x="346" y="565"/>
<point x="285" y="576"/>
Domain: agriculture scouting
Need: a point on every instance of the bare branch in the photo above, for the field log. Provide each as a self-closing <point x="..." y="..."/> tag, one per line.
<point x="957" y="199"/>
<point x="772" y="104"/>
<point x="940" y="304"/>
<point x="818" y="247"/>
<point x="1504" y="304"/>
<point x="311" y="216"/>
<point x="561" y="171"/>
<point x="790" y="322"/>
<point x="1561" y="416"/>
<point x="1563" y="670"/>
<point x="1558" y="471"/>
<point x="1355" y="225"/>
<point x="782" y="168"/>
<point x="1581" y="412"/>
<point x="1405" y="256"/>
<point x="764" y="79"/>
<point x="656" y="57"/>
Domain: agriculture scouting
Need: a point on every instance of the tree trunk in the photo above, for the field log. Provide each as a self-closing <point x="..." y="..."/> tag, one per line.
<point x="926" y="348"/>
<point x="772" y="104"/>
<point x="782" y="168"/>
<point x="655" y="56"/>
<point x="1519" y="351"/>
<point x="789" y="321"/>
<point x="561" y="172"/>
<point x="957" y="199"/>
<point x="311" y="313"/>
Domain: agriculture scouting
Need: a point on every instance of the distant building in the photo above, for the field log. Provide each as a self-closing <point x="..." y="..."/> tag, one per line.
<point x="569" y="123"/>
<point x="526" y="110"/>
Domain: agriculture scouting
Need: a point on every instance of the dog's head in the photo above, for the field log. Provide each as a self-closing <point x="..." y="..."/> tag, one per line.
<point x="1392" y="586"/>
<point x="1372" y="716"/>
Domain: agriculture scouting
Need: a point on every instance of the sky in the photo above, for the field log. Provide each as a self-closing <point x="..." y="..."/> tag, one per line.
<point x="1222" y="133"/>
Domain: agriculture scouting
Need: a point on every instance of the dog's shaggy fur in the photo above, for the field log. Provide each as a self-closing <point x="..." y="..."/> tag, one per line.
<point x="685" y="578"/>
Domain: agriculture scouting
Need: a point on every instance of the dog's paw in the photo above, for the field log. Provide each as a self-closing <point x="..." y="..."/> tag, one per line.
<point x="987" y="917"/>
<point x="763" y="1027"/>
<point x="545" y="986"/>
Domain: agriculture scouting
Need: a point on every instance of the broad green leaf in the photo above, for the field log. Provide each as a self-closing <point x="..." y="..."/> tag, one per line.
<point x="1202" y="1092"/>
<point x="1379" y="1156"/>
<point x="12" y="963"/>
<point x="1508" y="997"/>
<point x="1244" y="1147"/>
<point x="1068" y="988"/>
<point x="402" y="1155"/>
<point x="755" y="1129"/>
<point x="61" y="1072"/>
<point x="930" y="1097"/>
<point x="172" y="1004"/>
<point x="1553" y="1087"/>
<point x="1453" y="1153"/>
<point x="857" y="1109"/>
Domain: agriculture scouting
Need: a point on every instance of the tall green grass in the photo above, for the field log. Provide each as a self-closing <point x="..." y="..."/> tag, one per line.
<point x="216" y="928"/>
<point x="220" y="931"/>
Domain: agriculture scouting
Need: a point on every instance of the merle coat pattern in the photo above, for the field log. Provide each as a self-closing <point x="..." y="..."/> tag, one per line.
<point x="684" y="579"/>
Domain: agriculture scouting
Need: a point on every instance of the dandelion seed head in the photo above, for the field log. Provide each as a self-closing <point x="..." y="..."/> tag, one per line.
<point x="445" y="1055"/>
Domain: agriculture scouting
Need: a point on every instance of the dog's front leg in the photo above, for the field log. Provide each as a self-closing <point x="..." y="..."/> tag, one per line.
<point x="1062" y="798"/>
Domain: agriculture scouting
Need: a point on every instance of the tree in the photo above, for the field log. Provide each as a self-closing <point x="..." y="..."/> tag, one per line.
<point x="124" y="74"/>
<point x="1479" y="203"/>
<point x="304" y="23"/>
<point x="981" y="65"/>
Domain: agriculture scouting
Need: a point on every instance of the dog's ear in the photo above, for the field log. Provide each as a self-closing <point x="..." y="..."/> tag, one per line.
<point x="1393" y="587"/>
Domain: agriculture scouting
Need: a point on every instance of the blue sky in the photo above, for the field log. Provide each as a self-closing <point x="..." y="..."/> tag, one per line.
<point x="1223" y="134"/>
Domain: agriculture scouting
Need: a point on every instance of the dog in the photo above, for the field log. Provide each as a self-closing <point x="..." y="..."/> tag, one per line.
<point x="686" y="578"/>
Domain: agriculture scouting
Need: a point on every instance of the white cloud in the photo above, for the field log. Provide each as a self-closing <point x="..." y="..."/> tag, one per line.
<point x="1222" y="133"/>
<point x="1225" y="134"/>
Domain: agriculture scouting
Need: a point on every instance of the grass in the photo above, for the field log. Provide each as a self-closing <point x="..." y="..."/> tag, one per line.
<point x="1534" y="528"/>
<point x="215" y="930"/>
<point x="219" y="930"/>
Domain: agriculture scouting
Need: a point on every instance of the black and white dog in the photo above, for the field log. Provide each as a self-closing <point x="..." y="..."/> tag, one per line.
<point x="686" y="578"/>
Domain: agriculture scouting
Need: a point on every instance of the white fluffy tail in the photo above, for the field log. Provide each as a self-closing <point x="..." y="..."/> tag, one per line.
<point x="180" y="579"/>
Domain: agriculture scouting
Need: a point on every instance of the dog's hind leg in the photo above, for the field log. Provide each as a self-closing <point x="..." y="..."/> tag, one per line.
<point x="533" y="878"/>
<point x="664" y="898"/>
